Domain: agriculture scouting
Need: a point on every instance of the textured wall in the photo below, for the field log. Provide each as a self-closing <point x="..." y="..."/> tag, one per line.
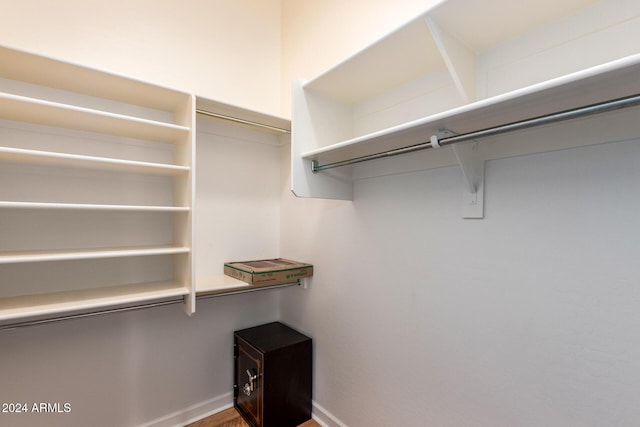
<point x="527" y="317"/>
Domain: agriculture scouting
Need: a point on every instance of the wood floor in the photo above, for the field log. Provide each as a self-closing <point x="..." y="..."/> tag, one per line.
<point x="231" y="418"/>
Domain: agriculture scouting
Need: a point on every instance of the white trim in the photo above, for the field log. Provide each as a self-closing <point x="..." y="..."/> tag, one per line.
<point x="225" y="401"/>
<point x="193" y="413"/>
<point x="324" y="417"/>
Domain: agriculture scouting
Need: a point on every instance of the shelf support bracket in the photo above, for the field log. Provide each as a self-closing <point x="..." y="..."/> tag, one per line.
<point x="472" y="166"/>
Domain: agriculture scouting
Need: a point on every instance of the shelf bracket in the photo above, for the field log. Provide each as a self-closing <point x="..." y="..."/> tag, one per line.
<point x="472" y="166"/>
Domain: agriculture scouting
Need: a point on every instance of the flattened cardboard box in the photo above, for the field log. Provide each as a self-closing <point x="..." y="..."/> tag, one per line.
<point x="268" y="271"/>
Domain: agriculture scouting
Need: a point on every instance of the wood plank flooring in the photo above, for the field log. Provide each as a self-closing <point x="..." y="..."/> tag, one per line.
<point x="231" y="418"/>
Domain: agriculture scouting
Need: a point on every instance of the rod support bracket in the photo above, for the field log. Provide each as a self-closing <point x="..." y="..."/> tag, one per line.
<point x="472" y="165"/>
<point x="314" y="166"/>
<point x="435" y="141"/>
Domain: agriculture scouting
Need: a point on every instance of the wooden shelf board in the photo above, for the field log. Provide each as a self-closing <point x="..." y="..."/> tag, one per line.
<point x="523" y="17"/>
<point x="233" y="111"/>
<point x="211" y="284"/>
<point x="27" y="67"/>
<point x="93" y="162"/>
<point x="70" y="255"/>
<point x="12" y="308"/>
<point x="402" y="56"/>
<point x="84" y="206"/>
<point x="221" y="283"/>
<point x="597" y="84"/>
<point x="410" y="51"/>
<point x="30" y="110"/>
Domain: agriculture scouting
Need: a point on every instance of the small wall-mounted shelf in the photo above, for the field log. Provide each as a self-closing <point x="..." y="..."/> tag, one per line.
<point x="220" y="284"/>
<point x="446" y="70"/>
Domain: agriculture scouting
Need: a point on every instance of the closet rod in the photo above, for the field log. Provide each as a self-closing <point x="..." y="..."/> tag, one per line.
<point x="140" y="307"/>
<point x="603" y="107"/>
<point x="247" y="290"/>
<point x="242" y="121"/>
<point x="90" y="314"/>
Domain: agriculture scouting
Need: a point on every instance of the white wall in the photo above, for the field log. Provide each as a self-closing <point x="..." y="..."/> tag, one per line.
<point x="526" y="318"/>
<point x="131" y="368"/>
<point x="227" y="50"/>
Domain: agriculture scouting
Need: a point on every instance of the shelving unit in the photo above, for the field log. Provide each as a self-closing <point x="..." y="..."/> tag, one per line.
<point x="219" y="284"/>
<point x="97" y="194"/>
<point x="451" y="71"/>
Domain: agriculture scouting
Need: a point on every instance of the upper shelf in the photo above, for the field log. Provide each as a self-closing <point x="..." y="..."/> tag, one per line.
<point x="48" y="72"/>
<point x="415" y="49"/>
<point x="458" y="67"/>
<point x="605" y="82"/>
<point x="402" y="56"/>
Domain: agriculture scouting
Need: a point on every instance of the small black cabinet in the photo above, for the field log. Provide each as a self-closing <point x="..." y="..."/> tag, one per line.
<point x="272" y="375"/>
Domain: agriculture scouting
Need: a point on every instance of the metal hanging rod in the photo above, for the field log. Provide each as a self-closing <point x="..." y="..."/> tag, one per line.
<point x="90" y="314"/>
<point x="242" y="121"/>
<point x="435" y="142"/>
<point x="248" y="290"/>
<point x="56" y="319"/>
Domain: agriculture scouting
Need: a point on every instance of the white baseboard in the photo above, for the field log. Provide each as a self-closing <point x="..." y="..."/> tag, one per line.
<point x="193" y="413"/>
<point x="225" y="401"/>
<point x="324" y="417"/>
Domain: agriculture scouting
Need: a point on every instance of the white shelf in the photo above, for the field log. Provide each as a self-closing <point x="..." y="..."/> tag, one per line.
<point x="223" y="284"/>
<point x="52" y="304"/>
<point x="605" y="82"/>
<point x="90" y="207"/>
<point x="76" y="160"/>
<point x="41" y="112"/>
<point x="451" y="69"/>
<point x="207" y="285"/>
<point x="265" y="122"/>
<point x="414" y="50"/>
<point x="144" y="137"/>
<point x="40" y="70"/>
<point x="407" y="55"/>
<point x="71" y="255"/>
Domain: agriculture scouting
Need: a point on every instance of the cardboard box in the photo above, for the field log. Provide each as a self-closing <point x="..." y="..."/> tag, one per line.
<point x="268" y="271"/>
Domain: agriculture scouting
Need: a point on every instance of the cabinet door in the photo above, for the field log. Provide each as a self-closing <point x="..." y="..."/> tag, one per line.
<point x="248" y="379"/>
